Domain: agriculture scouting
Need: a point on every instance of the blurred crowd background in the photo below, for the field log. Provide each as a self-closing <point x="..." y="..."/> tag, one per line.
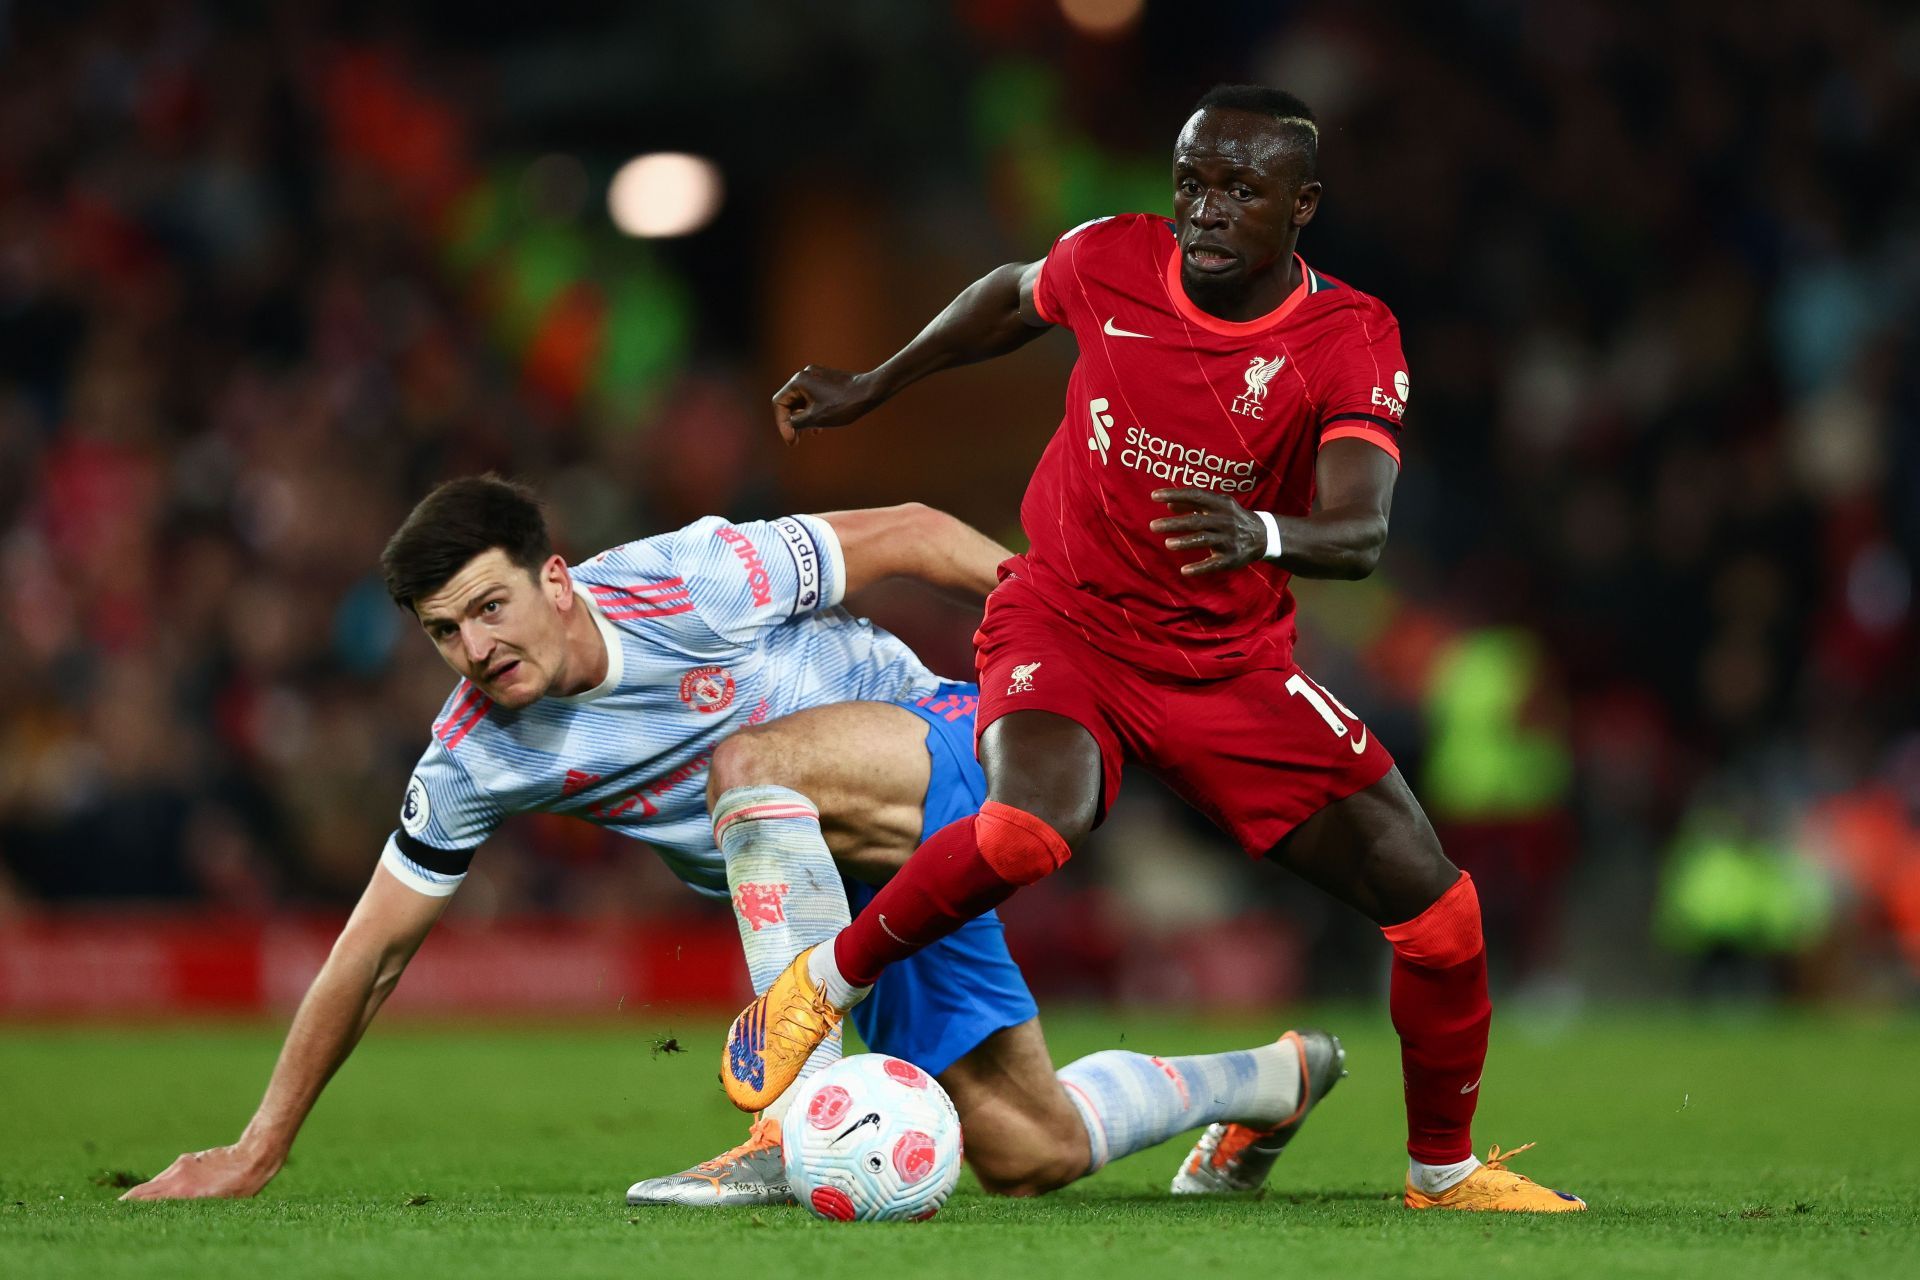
<point x="1643" y="640"/>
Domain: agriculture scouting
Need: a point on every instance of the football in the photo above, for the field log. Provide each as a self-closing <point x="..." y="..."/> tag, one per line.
<point x="872" y="1139"/>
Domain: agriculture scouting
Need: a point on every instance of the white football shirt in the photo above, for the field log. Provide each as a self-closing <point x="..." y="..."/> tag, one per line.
<point x="708" y="629"/>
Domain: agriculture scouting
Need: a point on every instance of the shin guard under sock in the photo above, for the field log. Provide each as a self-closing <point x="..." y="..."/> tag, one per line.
<point x="1439" y="1004"/>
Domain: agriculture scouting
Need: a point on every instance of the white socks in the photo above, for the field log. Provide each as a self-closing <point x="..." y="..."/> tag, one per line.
<point x="825" y="971"/>
<point x="1129" y="1101"/>
<point x="787" y="894"/>
<point x="1432" y="1179"/>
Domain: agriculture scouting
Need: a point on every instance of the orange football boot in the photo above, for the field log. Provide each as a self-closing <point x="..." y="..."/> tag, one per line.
<point x="1495" y="1188"/>
<point x="774" y="1036"/>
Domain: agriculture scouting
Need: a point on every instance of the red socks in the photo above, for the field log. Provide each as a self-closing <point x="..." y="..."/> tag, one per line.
<point x="1439" y="1004"/>
<point x="1439" y="991"/>
<point x="964" y="870"/>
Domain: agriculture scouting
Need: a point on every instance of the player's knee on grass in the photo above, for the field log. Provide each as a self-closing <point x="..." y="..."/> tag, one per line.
<point x="1018" y="1178"/>
<point x="1028" y="1156"/>
<point x="1024" y="1135"/>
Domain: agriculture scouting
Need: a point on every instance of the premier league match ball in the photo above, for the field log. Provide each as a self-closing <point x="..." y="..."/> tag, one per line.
<point x="872" y="1139"/>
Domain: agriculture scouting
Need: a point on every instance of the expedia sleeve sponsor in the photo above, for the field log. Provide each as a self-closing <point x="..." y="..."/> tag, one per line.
<point x="1394" y="402"/>
<point x="1364" y="392"/>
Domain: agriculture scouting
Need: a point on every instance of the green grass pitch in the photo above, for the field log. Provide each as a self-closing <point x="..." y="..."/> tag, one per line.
<point x="1722" y="1146"/>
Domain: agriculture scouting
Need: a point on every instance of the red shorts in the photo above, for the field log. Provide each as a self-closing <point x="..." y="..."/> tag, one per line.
<point x="1259" y="753"/>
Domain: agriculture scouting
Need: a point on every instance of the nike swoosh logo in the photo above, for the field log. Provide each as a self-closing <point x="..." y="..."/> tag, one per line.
<point x="1358" y="747"/>
<point x="872" y="1117"/>
<point x="1114" y="332"/>
<point x="1469" y="1088"/>
<point x="890" y="933"/>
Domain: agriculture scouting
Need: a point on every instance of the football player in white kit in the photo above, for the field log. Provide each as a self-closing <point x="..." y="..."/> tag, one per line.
<point x="703" y="691"/>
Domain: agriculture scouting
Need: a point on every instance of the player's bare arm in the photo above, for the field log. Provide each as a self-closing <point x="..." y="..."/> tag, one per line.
<point x="386" y="928"/>
<point x="992" y="316"/>
<point x="916" y="541"/>
<point x="1342" y="538"/>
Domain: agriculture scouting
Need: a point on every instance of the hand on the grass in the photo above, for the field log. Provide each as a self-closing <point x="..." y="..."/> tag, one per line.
<point x="220" y="1173"/>
<point x="1233" y="535"/>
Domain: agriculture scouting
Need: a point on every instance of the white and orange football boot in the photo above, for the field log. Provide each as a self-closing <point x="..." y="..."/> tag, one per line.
<point x="753" y="1173"/>
<point x="1494" y="1188"/>
<point x="1238" y="1157"/>
<point x="773" y="1037"/>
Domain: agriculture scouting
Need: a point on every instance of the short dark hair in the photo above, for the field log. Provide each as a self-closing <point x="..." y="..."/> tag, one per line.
<point x="1295" y="115"/>
<point x="459" y="520"/>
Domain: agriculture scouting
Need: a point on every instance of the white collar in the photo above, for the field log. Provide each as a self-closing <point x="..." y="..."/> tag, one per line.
<point x="616" y="657"/>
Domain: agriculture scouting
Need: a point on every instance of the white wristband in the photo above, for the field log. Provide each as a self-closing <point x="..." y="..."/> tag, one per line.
<point x="1273" y="534"/>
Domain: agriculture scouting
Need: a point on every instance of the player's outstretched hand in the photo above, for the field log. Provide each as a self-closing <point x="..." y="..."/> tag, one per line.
<point x="1232" y="535"/>
<point x="819" y="397"/>
<point x="221" y="1173"/>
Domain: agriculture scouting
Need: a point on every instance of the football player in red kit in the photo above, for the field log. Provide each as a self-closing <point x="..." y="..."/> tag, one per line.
<point x="1234" y="419"/>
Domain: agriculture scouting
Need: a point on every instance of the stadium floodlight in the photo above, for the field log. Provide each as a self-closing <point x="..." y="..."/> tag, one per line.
<point x="665" y="193"/>
<point x="1101" y="17"/>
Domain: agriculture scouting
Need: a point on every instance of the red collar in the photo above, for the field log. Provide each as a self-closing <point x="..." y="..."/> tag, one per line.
<point x="1233" y="328"/>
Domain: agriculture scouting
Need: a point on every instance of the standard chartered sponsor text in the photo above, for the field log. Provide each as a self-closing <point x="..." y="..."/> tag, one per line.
<point x="1184" y="466"/>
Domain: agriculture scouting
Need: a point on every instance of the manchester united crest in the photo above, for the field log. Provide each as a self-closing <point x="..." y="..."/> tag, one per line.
<point x="707" y="689"/>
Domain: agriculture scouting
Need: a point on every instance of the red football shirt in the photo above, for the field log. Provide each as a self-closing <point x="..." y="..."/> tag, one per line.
<point x="1166" y="396"/>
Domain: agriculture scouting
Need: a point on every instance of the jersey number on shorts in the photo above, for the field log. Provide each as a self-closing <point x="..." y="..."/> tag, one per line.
<point x="1325" y="703"/>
